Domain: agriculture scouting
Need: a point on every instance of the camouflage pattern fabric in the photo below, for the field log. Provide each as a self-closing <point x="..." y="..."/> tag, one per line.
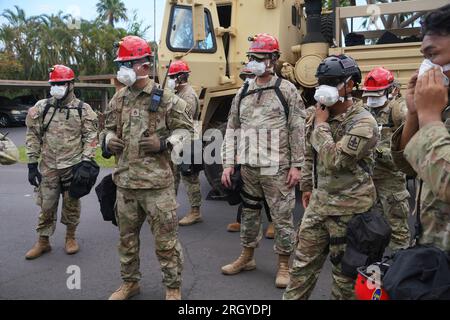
<point x="389" y="181"/>
<point x="9" y="154"/>
<point x="280" y="141"/>
<point x="54" y="183"/>
<point x="68" y="139"/>
<point x="345" y="146"/>
<point x="158" y="207"/>
<point x="192" y="184"/>
<point x="281" y="202"/>
<point x="136" y="170"/>
<point x="344" y="158"/>
<point x="428" y="155"/>
<point x="312" y="250"/>
<point x="145" y="180"/>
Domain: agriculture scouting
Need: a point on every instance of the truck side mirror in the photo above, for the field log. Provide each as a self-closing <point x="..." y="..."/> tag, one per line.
<point x="198" y="22"/>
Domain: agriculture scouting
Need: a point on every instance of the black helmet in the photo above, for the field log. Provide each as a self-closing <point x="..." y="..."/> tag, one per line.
<point x="338" y="69"/>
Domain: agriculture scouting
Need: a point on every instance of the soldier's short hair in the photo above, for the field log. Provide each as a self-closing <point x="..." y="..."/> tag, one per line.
<point x="437" y="22"/>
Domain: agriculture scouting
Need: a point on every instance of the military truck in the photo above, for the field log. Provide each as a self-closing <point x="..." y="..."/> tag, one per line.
<point x="213" y="37"/>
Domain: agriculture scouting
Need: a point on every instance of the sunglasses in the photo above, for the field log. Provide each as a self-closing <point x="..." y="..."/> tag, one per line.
<point x="58" y="83"/>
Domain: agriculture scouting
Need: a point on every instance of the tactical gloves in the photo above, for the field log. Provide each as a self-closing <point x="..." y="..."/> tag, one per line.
<point x="152" y="144"/>
<point x="34" y="176"/>
<point x="116" y="145"/>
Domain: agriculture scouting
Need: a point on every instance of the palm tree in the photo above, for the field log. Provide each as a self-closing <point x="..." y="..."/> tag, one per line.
<point x="112" y="10"/>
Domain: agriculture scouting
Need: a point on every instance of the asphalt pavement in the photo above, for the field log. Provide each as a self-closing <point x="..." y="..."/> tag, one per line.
<point x="207" y="246"/>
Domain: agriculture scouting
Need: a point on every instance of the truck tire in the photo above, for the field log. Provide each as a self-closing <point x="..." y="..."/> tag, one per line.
<point x="213" y="172"/>
<point x="327" y="28"/>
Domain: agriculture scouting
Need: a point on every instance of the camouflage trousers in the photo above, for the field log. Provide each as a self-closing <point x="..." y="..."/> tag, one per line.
<point x="281" y="202"/>
<point x="192" y="184"/>
<point x="158" y="207"/>
<point x="313" y="247"/>
<point x="393" y="198"/>
<point x="54" y="183"/>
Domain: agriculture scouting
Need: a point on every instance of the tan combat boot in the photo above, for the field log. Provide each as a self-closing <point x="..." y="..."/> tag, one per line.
<point x="71" y="246"/>
<point x="192" y="217"/>
<point x="173" y="294"/>
<point x="127" y="290"/>
<point x="40" y="247"/>
<point x="282" y="279"/>
<point x="270" y="232"/>
<point x="234" y="227"/>
<point x="245" y="262"/>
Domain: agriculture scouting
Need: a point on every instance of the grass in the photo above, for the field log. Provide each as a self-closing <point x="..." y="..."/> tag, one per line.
<point x="102" y="162"/>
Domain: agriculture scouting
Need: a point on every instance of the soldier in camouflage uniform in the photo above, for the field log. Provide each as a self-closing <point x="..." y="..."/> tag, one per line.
<point x="61" y="133"/>
<point x="178" y="81"/>
<point x="422" y="145"/>
<point x="139" y="131"/>
<point x="340" y="137"/>
<point x="389" y="110"/>
<point x="269" y="109"/>
<point x="8" y="151"/>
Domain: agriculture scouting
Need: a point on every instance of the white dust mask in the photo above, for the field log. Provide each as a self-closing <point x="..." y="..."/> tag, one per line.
<point x="327" y="95"/>
<point x="171" y="84"/>
<point x="428" y="65"/>
<point x="58" y="91"/>
<point x="376" y="102"/>
<point x="127" y="76"/>
<point x="257" y="68"/>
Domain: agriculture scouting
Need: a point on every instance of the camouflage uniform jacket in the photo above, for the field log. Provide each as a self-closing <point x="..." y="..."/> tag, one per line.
<point x="8" y="151"/>
<point x="135" y="169"/>
<point x="68" y="140"/>
<point x="384" y="165"/>
<point x="344" y="147"/>
<point x="187" y="93"/>
<point x="264" y="112"/>
<point x="428" y="155"/>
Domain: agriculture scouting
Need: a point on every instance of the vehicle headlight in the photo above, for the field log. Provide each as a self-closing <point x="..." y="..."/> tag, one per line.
<point x="16" y="112"/>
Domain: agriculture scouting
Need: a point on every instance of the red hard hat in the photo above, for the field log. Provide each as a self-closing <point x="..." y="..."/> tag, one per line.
<point x="132" y="48"/>
<point x="60" y="73"/>
<point x="178" y="66"/>
<point x="365" y="291"/>
<point x="378" y="79"/>
<point x="263" y="43"/>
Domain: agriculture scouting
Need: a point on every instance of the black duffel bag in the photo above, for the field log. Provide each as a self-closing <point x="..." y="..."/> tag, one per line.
<point x="419" y="273"/>
<point x="106" y="194"/>
<point x="84" y="177"/>
<point x="368" y="235"/>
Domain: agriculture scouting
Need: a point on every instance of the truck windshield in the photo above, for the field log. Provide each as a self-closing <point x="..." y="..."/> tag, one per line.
<point x="180" y="35"/>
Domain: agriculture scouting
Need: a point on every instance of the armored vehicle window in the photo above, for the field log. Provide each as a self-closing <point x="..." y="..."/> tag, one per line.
<point x="180" y="36"/>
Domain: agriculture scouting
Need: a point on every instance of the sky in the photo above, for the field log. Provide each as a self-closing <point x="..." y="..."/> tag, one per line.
<point x="87" y="10"/>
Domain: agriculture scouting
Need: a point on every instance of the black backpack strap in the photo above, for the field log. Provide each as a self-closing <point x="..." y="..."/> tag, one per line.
<point x="241" y="96"/>
<point x="418" y="225"/>
<point x="80" y="109"/>
<point x="281" y="98"/>
<point x="46" y="109"/>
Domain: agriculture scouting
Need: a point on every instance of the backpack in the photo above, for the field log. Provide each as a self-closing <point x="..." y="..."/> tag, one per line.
<point x="421" y="272"/>
<point x="368" y="235"/>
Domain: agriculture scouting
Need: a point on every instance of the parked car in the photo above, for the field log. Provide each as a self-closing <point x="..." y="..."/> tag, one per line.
<point x="14" y="112"/>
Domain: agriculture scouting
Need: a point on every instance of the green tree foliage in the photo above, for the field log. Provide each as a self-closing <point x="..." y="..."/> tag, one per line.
<point x="30" y="45"/>
<point x="112" y="11"/>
